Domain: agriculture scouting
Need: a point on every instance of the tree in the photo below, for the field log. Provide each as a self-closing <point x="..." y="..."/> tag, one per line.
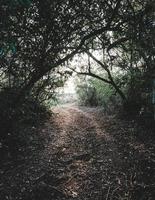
<point x="45" y="40"/>
<point x="43" y="35"/>
<point x="125" y="49"/>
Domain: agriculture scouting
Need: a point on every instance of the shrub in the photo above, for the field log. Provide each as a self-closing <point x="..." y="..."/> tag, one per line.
<point x="94" y="92"/>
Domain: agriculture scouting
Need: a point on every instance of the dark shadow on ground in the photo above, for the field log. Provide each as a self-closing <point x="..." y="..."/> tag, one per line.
<point x="85" y="155"/>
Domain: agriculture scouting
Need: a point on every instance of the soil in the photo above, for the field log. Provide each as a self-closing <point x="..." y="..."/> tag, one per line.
<point x="85" y="155"/>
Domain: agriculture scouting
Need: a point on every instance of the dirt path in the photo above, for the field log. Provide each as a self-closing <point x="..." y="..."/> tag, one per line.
<point x="86" y="156"/>
<point x="86" y="152"/>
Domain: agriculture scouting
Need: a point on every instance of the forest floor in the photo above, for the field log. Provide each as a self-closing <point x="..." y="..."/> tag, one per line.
<point x="85" y="155"/>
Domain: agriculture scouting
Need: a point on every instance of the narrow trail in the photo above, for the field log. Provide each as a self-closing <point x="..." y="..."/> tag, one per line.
<point x="86" y="152"/>
<point x="86" y="156"/>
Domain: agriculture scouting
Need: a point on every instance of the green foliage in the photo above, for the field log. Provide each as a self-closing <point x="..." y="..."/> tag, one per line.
<point x="94" y="92"/>
<point x="104" y="92"/>
<point x="87" y="95"/>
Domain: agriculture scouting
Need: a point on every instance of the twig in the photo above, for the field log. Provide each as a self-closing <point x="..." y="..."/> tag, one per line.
<point x="108" y="193"/>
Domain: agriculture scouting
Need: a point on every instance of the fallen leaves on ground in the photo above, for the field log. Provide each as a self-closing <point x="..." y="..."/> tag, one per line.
<point x="86" y="155"/>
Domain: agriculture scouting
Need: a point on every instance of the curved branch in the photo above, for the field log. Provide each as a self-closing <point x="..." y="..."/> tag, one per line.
<point x="117" y="42"/>
<point x="94" y="76"/>
<point x="111" y="80"/>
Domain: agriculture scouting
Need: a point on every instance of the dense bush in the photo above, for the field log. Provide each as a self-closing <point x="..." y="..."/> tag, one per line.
<point x="134" y="85"/>
<point x="18" y="122"/>
<point x="94" y="92"/>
